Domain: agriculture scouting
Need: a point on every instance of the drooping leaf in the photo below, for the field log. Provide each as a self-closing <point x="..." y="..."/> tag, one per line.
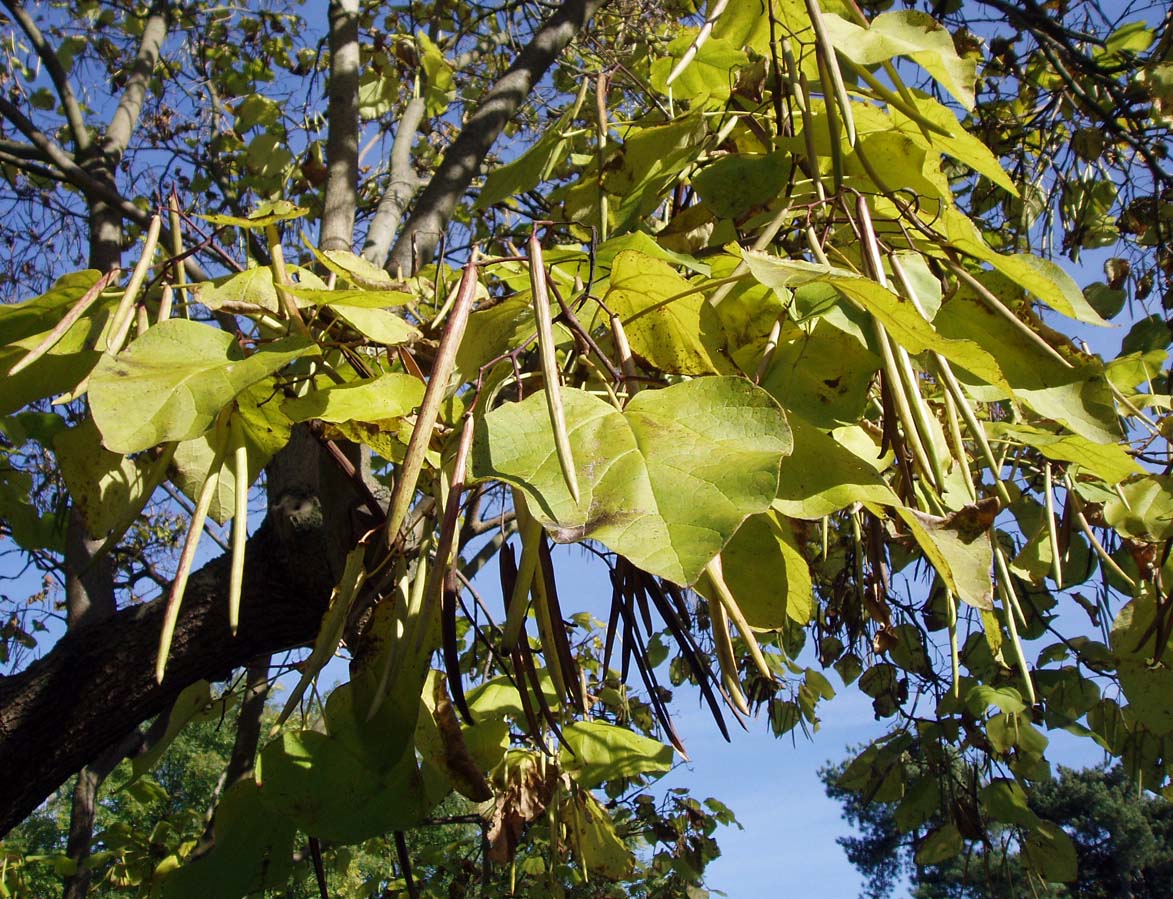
<point x="388" y="396"/>
<point x="1144" y="508"/>
<point x="824" y="375"/>
<point x="823" y="476"/>
<point x="959" y="548"/>
<point x="177" y="377"/>
<point x="914" y="34"/>
<point x="679" y="336"/>
<point x="24" y="326"/>
<point x="253" y="850"/>
<point x="1147" y="685"/>
<point x="601" y="752"/>
<point x="666" y="482"/>
<point x="104" y="486"/>
<point x="707" y="75"/>
<point x="766" y="573"/>
<point x="1051" y="853"/>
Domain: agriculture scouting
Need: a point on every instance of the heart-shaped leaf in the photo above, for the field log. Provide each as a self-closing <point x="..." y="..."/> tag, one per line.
<point x="665" y="483"/>
<point x="176" y="378"/>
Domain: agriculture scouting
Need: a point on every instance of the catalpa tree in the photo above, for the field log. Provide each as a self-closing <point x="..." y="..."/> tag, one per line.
<point x="755" y="302"/>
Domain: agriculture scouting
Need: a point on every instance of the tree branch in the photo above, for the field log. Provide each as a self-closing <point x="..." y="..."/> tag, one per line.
<point x="121" y="126"/>
<point x="460" y="164"/>
<point x="341" y="198"/>
<point x="97" y="684"/>
<point x="401" y="186"/>
<point x="48" y="57"/>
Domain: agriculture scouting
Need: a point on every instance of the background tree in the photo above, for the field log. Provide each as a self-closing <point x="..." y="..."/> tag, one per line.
<point x="1121" y="841"/>
<point x="806" y="380"/>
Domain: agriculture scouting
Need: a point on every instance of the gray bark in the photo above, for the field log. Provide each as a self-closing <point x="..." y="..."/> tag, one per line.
<point x="341" y="198"/>
<point x="433" y="210"/>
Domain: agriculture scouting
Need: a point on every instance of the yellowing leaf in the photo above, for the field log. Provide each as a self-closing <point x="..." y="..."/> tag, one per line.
<point x="822" y="476"/>
<point x="916" y="35"/>
<point x="177" y="377"/>
<point x="376" y="399"/>
<point x="665" y="483"/>
<point x="680" y="337"/>
<point x="604" y="752"/>
<point x="766" y="573"/>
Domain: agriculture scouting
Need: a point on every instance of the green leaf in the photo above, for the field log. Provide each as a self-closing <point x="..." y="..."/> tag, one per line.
<point x="254" y="286"/>
<point x="23" y="327"/>
<point x="733" y="185"/>
<point x="267" y="213"/>
<point x="940" y="845"/>
<point x="267" y="156"/>
<point x="194" y="699"/>
<point x="601" y="752"/>
<point x="651" y="160"/>
<point x="599" y="849"/>
<point x="253" y="850"/>
<point x="104" y="486"/>
<point x="823" y="374"/>
<point x="1143" y="509"/>
<point x="959" y="548"/>
<point x="1108" y="461"/>
<point x="960" y="144"/>
<point x="319" y="784"/>
<point x="1051" y="853"/>
<point x="823" y="476"/>
<point x="665" y="482"/>
<point x="265" y="429"/>
<point x="378" y="87"/>
<point x="682" y="336"/>
<point x="916" y="35"/>
<point x="1003" y="800"/>
<point x="1079" y="397"/>
<point x="254" y="110"/>
<point x="532" y="167"/>
<point x="1148" y="686"/>
<point x="898" y="316"/>
<point x="766" y="572"/>
<point x="375" y="399"/>
<point x="438" y="84"/>
<point x="177" y="377"/>
<point x="709" y="74"/>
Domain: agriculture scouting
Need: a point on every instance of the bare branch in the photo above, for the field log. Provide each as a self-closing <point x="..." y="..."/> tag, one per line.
<point x="121" y="126"/>
<point x="463" y="160"/>
<point x="48" y="57"/>
<point x="401" y="187"/>
<point x="342" y="141"/>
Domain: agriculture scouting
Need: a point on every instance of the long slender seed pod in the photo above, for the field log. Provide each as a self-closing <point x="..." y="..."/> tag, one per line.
<point x="1013" y="611"/>
<point x="281" y="280"/>
<point x="179" y="273"/>
<point x="124" y="315"/>
<point x="62" y="327"/>
<point x="547" y="351"/>
<point x="830" y="61"/>
<point x="531" y="535"/>
<point x="958" y="443"/>
<point x="716" y="575"/>
<point x="601" y="84"/>
<point x="723" y="643"/>
<point x="699" y="41"/>
<point x="954" y="657"/>
<point x="187" y="557"/>
<point x="1081" y="520"/>
<point x="425" y="422"/>
<point x="166" y="302"/>
<point x="239" y="520"/>
<point x="1052" y="530"/>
